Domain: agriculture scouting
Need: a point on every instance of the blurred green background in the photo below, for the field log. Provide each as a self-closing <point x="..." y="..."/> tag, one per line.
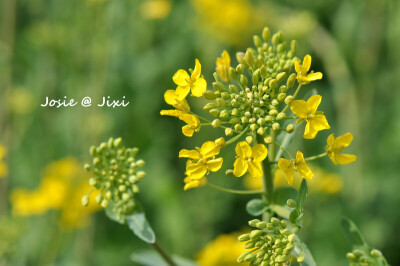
<point x="132" y="48"/>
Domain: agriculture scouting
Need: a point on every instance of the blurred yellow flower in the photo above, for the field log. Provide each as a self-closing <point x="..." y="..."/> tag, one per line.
<point x="181" y="107"/>
<point x="155" y="9"/>
<point x="186" y="83"/>
<point x="223" y="64"/>
<point x="336" y="146"/>
<point x="302" y="76"/>
<point x="192" y="122"/>
<point x="202" y="160"/>
<point x="3" y="166"/>
<point x="307" y="111"/>
<point x="249" y="159"/>
<point x="222" y="251"/>
<point x="326" y="183"/>
<point x="62" y="187"/>
<point x="298" y="165"/>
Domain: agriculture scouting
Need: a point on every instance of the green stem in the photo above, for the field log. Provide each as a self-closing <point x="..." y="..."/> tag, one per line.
<point x="237" y="136"/>
<point x="268" y="179"/>
<point x="163" y="254"/>
<point x="315" y="157"/>
<point x="294" y="96"/>
<point x="283" y="149"/>
<point x="234" y="191"/>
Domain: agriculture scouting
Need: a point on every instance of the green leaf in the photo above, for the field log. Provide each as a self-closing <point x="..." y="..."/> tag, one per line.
<point x="352" y="232"/>
<point x="256" y="207"/>
<point x="152" y="258"/>
<point x="282" y="194"/>
<point x="301" y="197"/>
<point x="113" y="215"/>
<point x="308" y="259"/>
<point x="138" y="223"/>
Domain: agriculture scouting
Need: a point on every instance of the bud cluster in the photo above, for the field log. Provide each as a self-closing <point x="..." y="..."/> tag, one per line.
<point x="257" y="87"/>
<point x="115" y="176"/>
<point x="271" y="243"/>
<point x="359" y="257"/>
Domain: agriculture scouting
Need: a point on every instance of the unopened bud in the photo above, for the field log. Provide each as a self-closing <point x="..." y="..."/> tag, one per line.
<point x="228" y="131"/>
<point x="209" y="95"/>
<point x="290" y="128"/>
<point x="85" y="200"/>
<point x="229" y="172"/>
<point x="291" y="203"/>
<point x="288" y="99"/>
<point x="249" y="139"/>
<point x="280" y="116"/>
<point x="266" y="34"/>
<point x="291" y="80"/>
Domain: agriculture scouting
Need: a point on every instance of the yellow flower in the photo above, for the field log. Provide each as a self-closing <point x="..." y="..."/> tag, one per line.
<point x="155" y="9"/>
<point x="192" y="122"/>
<point x="3" y="166"/>
<point x="187" y="83"/>
<point x="302" y="76"/>
<point x="202" y="160"/>
<point x="222" y="251"/>
<point x="298" y="165"/>
<point x="182" y="107"/>
<point x="307" y="111"/>
<point x="223" y="65"/>
<point x="249" y="159"/>
<point x="192" y="183"/>
<point x="335" y="146"/>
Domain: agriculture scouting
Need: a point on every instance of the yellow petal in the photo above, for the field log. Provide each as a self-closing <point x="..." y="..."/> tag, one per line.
<point x="309" y="132"/>
<point x="209" y="149"/>
<point x="170" y="97"/>
<point x="196" y="171"/>
<point x="300" y="108"/>
<point x="302" y="167"/>
<point x="306" y="65"/>
<point x="319" y="123"/>
<point x="214" y="165"/>
<point x="190" y="119"/>
<point x="287" y="167"/>
<point x="181" y="92"/>
<point x="181" y="78"/>
<point x="344" y="140"/>
<point x="255" y="169"/>
<point x="194" y="183"/>
<point x="240" y="167"/>
<point x="345" y="158"/>
<point x="188" y="131"/>
<point x="331" y="156"/>
<point x="243" y="149"/>
<point x="259" y="152"/>
<point x="226" y="57"/>
<point x="197" y="70"/>
<point x="314" y="76"/>
<point x="331" y="140"/>
<point x="183" y="106"/>
<point x="191" y="154"/>
<point x="297" y="66"/>
<point x="313" y="103"/>
<point x="176" y="113"/>
<point x="199" y="87"/>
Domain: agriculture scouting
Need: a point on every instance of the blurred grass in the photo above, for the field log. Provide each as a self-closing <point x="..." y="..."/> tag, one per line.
<point x="98" y="48"/>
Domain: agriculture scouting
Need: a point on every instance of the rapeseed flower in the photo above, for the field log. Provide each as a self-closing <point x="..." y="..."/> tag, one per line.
<point x="249" y="159"/>
<point x="302" y="70"/>
<point x="181" y="107"/>
<point x="308" y="111"/>
<point x="298" y="165"/>
<point x="193" y="124"/>
<point x="223" y="64"/>
<point x="336" y="146"/>
<point x="186" y="83"/>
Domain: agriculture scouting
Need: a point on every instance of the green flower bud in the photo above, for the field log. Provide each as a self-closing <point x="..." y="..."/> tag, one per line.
<point x="280" y="76"/>
<point x="216" y="123"/>
<point x="275" y="102"/>
<point x="249" y="58"/>
<point x="255" y="234"/>
<point x="104" y="203"/>
<point x="249" y="139"/>
<point x="291" y="80"/>
<point x="257" y="41"/>
<point x="140" y="163"/>
<point x="291" y="203"/>
<point x="87" y="167"/>
<point x="232" y="73"/>
<point x="141" y="174"/>
<point x="209" y="106"/>
<point x="214" y="112"/>
<point x="272" y="112"/>
<point x="288" y="99"/>
<point x="261" y="131"/>
<point x="253" y="127"/>
<point x="239" y="68"/>
<point x="244" y="237"/>
<point x="238" y="127"/>
<point x="280" y="116"/>
<point x="273" y="85"/>
<point x="250" y="257"/>
<point x="228" y="132"/>
<point x="376" y="253"/>
<point x="224" y="114"/>
<point x="209" y="95"/>
<point x="229" y="172"/>
<point x="268" y="140"/>
<point x="263" y="71"/>
<point x="220" y="102"/>
<point x="301" y="257"/>
<point x="233" y="88"/>
<point x="266" y="34"/>
<point x="240" y="57"/>
<point x="219" y="86"/>
<point x="243" y="80"/>
<point x="290" y="128"/>
<point x="281" y="96"/>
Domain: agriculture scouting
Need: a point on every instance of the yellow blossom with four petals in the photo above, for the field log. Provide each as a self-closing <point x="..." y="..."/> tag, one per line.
<point x="223" y="65"/>
<point x="193" y="124"/>
<point x="298" y="165"/>
<point x="201" y="162"/>
<point x="308" y="111"/>
<point x="181" y="106"/>
<point x="302" y="76"/>
<point x="249" y="159"/>
<point x="336" y="146"/>
<point x="186" y="83"/>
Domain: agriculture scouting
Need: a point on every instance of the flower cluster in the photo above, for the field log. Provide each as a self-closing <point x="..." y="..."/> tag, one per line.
<point x="271" y="243"/>
<point x="115" y="177"/>
<point x="360" y="257"/>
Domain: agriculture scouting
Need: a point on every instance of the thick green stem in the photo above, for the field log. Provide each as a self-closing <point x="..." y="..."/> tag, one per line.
<point x="163" y="254"/>
<point x="268" y="180"/>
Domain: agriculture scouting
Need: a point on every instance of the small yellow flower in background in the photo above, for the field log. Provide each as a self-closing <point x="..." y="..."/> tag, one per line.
<point x="181" y="107"/>
<point x="193" y="124"/>
<point x="302" y="76"/>
<point x="249" y="159"/>
<point x="222" y="251"/>
<point x="61" y="188"/>
<point x="298" y="165"/>
<point x="223" y="65"/>
<point x="187" y="83"/>
<point x="202" y="160"/>
<point x="3" y="166"/>
<point x="155" y="9"/>
<point x="307" y="111"/>
<point x="336" y="146"/>
<point x="325" y="183"/>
